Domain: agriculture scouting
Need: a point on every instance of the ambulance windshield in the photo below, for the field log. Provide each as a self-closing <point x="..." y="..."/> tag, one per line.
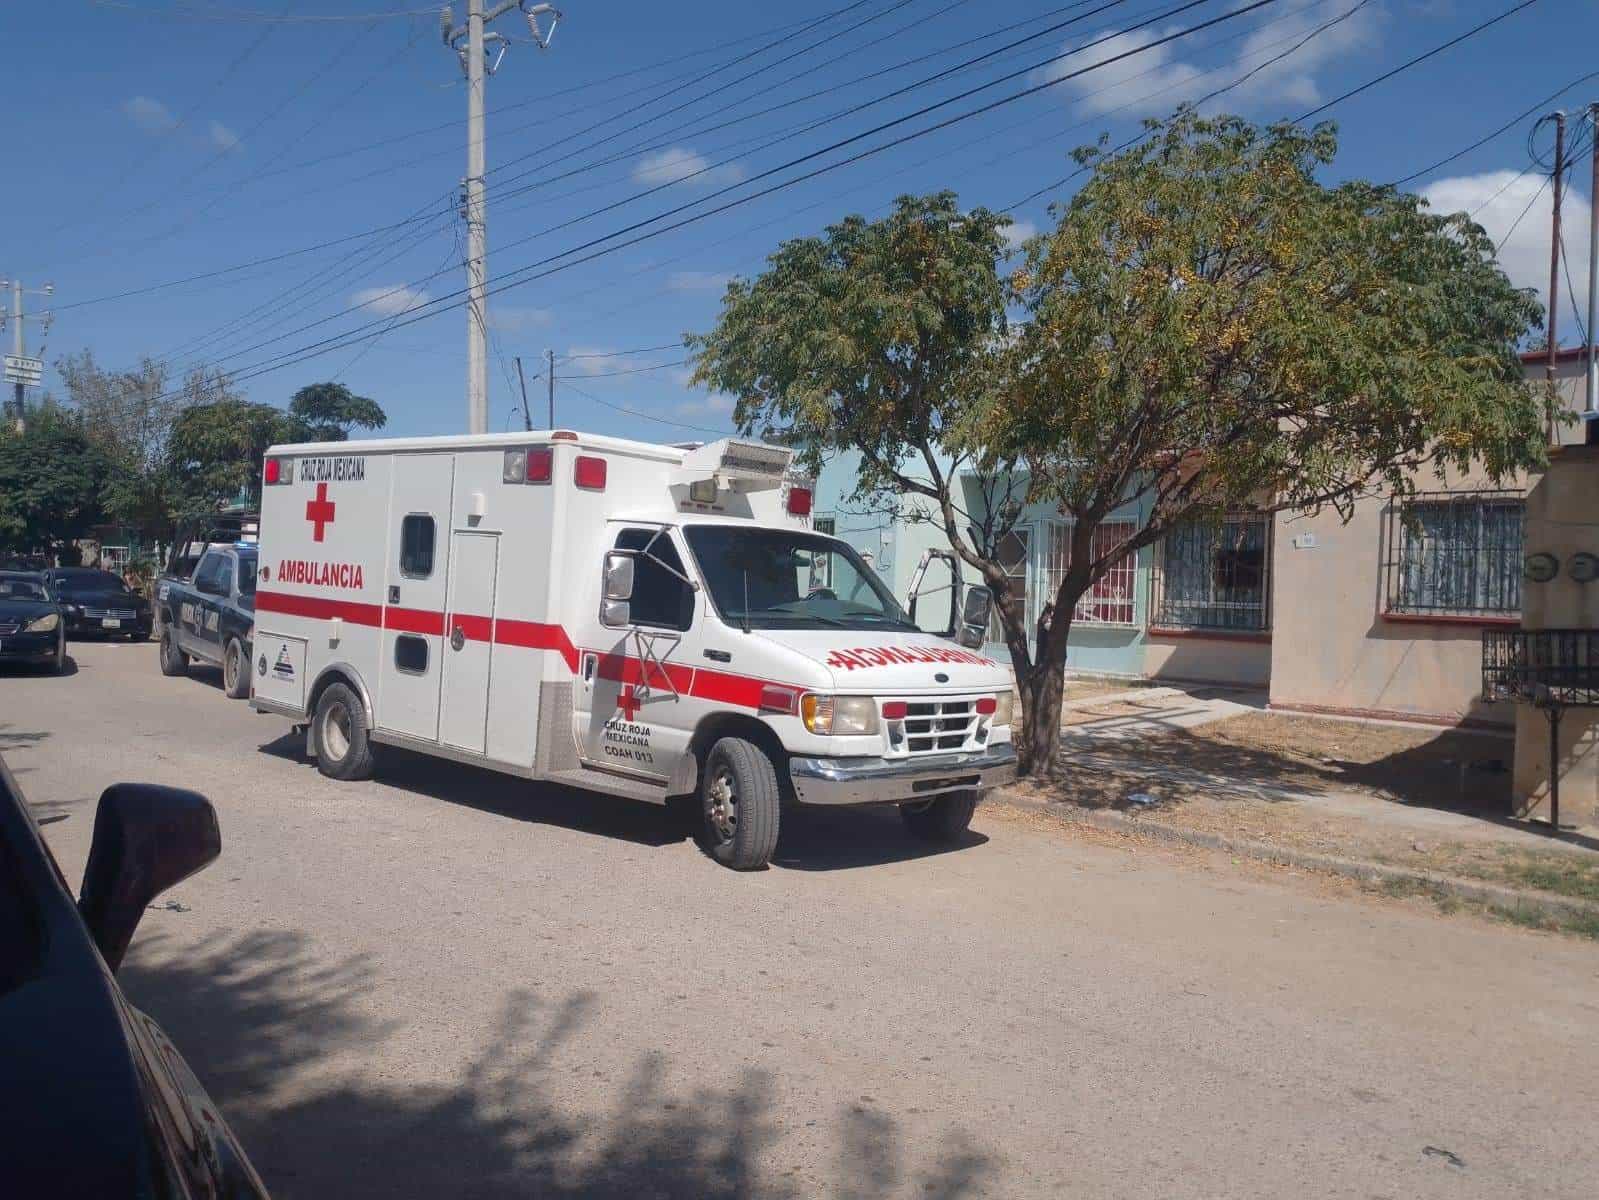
<point x="786" y="579"/>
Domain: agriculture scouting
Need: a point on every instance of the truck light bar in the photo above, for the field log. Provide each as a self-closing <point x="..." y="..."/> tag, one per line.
<point x="737" y="464"/>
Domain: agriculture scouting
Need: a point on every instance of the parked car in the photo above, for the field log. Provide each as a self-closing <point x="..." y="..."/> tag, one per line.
<point x="97" y="1100"/>
<point x="194" y="538"/>
<point x="97" y="602"/>
<point x="212" y="617"/>
<point x="31" y="629"/>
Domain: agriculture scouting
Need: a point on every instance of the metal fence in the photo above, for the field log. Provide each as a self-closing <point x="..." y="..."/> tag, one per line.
<point x="1215" y="574"/>
<point x="1454" y="554"/>
<point x="1545" y="666"/>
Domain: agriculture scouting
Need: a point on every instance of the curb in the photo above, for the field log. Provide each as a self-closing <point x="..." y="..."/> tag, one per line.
<point x="1533" y="903"/>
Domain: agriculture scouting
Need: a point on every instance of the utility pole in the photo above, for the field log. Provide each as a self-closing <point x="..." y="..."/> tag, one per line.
<point x="1554" y="263"/>
<point x="549" y="366"/>
<point x="527" y="417"/>
<point x="1591" y="398"/>
<point x="472" y="43"/>
<point x="21" y="371"/>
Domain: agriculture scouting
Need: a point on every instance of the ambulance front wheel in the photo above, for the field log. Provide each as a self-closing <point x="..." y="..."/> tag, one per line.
<point x="343" y="747"/>
<point x="739" y="800"/>
<point x="942" y="819"/>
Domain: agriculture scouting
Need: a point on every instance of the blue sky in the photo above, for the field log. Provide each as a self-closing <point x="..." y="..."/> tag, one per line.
<point x="159" y="140"/>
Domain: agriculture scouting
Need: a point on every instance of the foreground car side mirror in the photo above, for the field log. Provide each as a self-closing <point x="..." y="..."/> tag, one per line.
<point x="616" y="607"/>
<point x="974" y="617"/>
<point x="146" y="839"/>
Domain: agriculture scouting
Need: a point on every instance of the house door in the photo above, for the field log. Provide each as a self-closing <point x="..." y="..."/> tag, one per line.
<point x="469" y="639"/>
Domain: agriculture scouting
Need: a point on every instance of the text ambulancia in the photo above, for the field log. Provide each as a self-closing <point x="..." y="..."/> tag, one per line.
<point x="648" y="621"/>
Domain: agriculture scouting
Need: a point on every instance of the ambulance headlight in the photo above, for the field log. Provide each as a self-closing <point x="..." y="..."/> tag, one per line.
<point x="839" y="715"/>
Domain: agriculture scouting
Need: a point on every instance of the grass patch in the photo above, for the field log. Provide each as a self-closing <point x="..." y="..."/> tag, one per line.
<point x="1559" y="874"/>
<point x="1578" y="925"/>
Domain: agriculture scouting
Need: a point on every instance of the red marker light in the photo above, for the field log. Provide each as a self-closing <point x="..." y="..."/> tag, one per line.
<point x="564" y="435"/>
<point x="588" y="473"/>
<point x="987" y="705"/>
<point x="799" y="502"/>
<point x="273" y="470"/>
<point x="540" y="464"/>
<point x="894" y="710"/>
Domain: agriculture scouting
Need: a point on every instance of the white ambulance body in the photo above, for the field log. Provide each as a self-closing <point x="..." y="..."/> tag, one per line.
<point x="642" y="620"/>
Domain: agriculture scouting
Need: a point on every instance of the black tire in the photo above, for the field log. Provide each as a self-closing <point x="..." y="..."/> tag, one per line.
<point x="58" y="665"/>
<point x="235" y="671"/>
<point x="173" y="660"/>
<point x="739" y="804"/>
<point x="942" y="819"/>
<point x="343" y="745"/>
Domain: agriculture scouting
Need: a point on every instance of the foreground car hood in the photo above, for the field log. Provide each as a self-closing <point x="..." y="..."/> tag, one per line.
<point x="898" y="660"/>
<point x="24" y="610"/>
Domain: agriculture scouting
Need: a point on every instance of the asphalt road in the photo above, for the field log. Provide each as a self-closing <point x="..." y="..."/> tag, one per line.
<point x="449" y="983"/>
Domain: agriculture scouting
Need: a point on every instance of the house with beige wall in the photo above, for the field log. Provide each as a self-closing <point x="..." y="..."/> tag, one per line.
<point x="1383" y="615"/>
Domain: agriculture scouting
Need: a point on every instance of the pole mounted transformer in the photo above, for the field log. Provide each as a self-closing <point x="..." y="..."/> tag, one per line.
<point x="480" y="51"/>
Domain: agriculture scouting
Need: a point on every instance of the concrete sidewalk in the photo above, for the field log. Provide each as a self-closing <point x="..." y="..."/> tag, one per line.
<point x="1161" y="710"/>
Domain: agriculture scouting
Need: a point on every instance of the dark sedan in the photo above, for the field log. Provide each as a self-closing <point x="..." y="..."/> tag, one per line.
<point x="31" y="629"/>
<point x="97" y="602"/>
<point x="97" y="1102"/>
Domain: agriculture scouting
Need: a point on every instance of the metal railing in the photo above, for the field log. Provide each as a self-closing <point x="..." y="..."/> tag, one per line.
<point x="1541" y="666"/>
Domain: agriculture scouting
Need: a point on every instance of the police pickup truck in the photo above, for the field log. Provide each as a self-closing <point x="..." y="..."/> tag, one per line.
<point x="212" y="616"/>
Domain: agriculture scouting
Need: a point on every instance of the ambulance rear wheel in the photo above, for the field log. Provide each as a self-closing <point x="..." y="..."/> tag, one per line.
<point x="343" y="748"/>
<point x="235" y="671"/>
<point x="942" y="819"/>
<point x="173" y="660"/>
<point x="739" y="800"/>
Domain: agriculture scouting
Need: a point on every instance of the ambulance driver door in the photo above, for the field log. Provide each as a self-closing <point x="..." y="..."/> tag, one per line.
<point x="414" y="594"/>
<point x="633" y="709"/>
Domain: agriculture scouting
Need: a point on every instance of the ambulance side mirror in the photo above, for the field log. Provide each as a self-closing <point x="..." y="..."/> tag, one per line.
<point x="974" y="617"/>
<point x="617" y="594"/>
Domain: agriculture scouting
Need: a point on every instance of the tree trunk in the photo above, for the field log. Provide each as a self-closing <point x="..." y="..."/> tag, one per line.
<point x="1043" y="687"/>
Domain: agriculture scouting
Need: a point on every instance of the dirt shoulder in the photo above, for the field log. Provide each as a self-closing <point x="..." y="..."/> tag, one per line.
<point x="1421" y="800"/>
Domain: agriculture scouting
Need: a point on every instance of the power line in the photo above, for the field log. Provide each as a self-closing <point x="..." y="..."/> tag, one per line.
<point x="594" y="248"/>
<point x="635" y="413"/>
<point x="191" y="13"/>
<point x="681" y="362"/>
<point x="1420" y="58"/>
<point x="1508" y="125"/>
<point x="1522" y="216"/>
<point x="620" y="353"/>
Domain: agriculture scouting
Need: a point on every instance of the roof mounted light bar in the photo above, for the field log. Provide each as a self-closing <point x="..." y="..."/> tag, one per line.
<point x="738" y="465"/>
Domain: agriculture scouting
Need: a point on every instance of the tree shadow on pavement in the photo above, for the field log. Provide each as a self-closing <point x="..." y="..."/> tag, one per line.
<point x="257" y="1016"/>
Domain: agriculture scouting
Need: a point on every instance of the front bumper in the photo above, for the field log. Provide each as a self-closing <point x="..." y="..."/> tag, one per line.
<point x="888" y="780"/>
<point x="79" y="625"/>
<point x="28" y="647"/>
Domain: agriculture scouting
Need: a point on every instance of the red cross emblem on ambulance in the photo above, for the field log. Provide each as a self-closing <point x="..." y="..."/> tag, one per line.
<point x="319" y="511"/>
<point x="628" y="701"/>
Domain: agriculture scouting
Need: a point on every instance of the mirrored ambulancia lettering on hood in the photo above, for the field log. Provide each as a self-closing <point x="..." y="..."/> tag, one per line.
<point x="866" y="657"/>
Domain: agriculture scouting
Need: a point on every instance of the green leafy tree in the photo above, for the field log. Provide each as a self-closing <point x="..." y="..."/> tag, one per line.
<point x="50" y="479"/>
<point x="1208" y="326"/>
<point x="328" y="412"/>
<point x="215" y="451"/>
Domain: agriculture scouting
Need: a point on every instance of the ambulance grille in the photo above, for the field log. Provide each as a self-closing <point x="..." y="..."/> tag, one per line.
<point x="938" y="726"/>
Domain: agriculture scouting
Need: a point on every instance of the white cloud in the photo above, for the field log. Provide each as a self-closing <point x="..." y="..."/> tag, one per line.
<point x="223" y="138"/>
<point x="699" y="281"/>
<point x="1502" y="198"/>
<point x="1017" y="233"/>
<point x="679" y="162"/>
<point x="390" y="301"/>
<point x="1154" y="81"/>
<point x="149" y="115"/>
<point x="511" y="318"/>
<point x="715" y="405"/>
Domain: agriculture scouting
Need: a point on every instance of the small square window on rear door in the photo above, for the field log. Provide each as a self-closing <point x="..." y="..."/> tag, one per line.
<point x="416" y="546"/>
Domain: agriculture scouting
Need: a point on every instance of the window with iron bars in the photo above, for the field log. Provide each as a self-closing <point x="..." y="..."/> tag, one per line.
<point x="1110" y="600"/>
<point x="1454" y="554"/>
<point x="1215" y="574"/>
<point x="822" y="564"/>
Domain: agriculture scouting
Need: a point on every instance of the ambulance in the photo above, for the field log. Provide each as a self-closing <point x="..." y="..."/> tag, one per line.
<point x="649" y="621"/>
